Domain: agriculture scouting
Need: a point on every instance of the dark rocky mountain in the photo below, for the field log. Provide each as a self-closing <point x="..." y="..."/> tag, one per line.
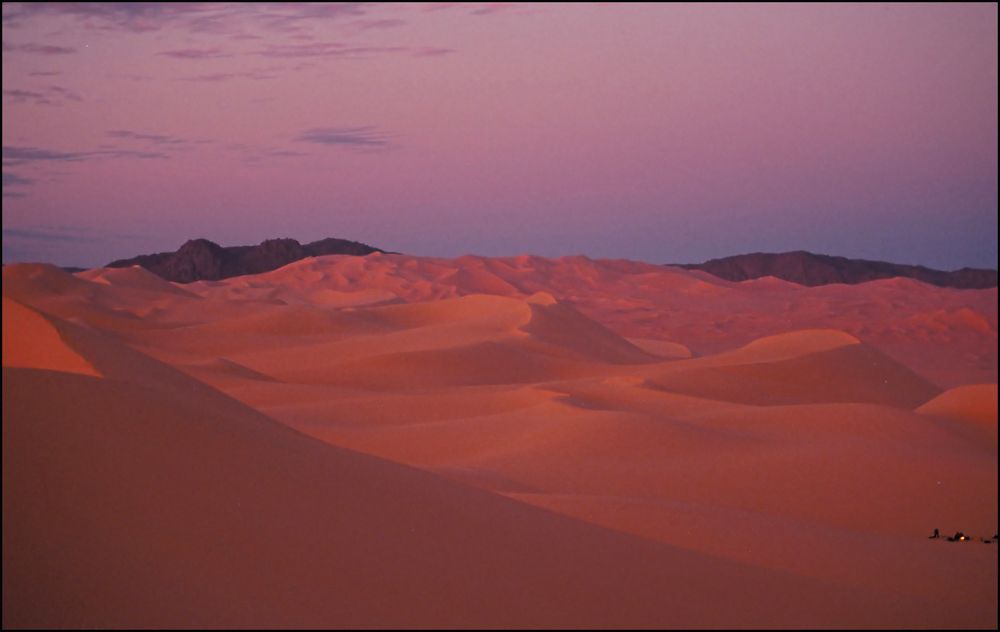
<point x="806" y="268"/>
<point x="201" y="259"/>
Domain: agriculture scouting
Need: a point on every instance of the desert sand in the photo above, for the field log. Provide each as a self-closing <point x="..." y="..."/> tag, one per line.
<point x="495" y="442"/>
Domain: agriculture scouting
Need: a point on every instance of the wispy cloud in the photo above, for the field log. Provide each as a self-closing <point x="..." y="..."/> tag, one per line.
<point x="157" y="139"/>
<point x="13" y="155"/>
<point x="196" y="17"/>
<point x="325" y="49"/>
<point x="343" y="51"/>
<point x="127" y="153"/>
<point x="12" y="179"/>
<point x="261" y="154"/>
<point x="438" y="6"/>
<point x="384" y="23"/>
<point x="129" y="77"/>
<point x="364" y="137"/>
<point x="49" y="95"/>
<point x="236" y="21"/>
<point x="291" y="17"/>
<point x="195" y="53"/>
<point x="17" y="155"/>
<point x="128" y="16"/>
<point x="284" y="153"/>
<point x="26" y="96"/>
<point x="491" y="8"/>
<point x="215" y="77"/>
<point x="12" y="183"/>
<point x="432" y="51"/>
<point x="151" y="144"/>
<point x="37" y="49"/>
<point x="226" y="76"/>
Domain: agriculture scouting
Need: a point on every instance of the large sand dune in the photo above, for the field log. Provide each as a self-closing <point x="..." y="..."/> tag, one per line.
<point x="403" y="441"/>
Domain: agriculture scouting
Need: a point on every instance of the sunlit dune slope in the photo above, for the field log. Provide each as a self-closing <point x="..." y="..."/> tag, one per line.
<point x="31" y="341"/>
<point x="974" y="402"/>
<point x="973" y="407"/>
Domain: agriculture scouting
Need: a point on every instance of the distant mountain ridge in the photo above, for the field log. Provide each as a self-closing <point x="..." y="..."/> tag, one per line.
<point x="201" y="259"/>
<point x="806" y="268"/>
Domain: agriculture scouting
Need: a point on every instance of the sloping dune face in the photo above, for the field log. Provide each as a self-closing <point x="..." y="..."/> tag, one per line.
<point x="974" y="406"/>
<point x="31" y="341"/>
<point x="393" y="441"/>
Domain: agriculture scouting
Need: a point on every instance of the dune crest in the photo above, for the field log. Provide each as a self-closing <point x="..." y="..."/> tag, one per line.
<point x="973" y="405"/>
<point x="975" y="402"/>
<point x="31" y="341"/>
<point x="783" y="346"/>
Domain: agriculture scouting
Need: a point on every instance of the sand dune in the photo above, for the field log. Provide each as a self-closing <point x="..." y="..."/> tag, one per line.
<point x="515" y="441"/>
<point x="164" y="516"/>
<point x="179" y="512"/>
<point x="134" y="277"/>
<point x="851" y="373"/>
<point x="662" y="348"/>
<point x="30" y="341"/>
<point x="973" y="406"/>
<point x="944" y="335"/>
<point x="974" y="402"/>
<point x="785" y="346"/>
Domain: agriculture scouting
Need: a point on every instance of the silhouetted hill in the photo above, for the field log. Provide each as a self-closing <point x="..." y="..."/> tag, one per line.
<point x="806" y="268"/>
<point x="201" y="259"/>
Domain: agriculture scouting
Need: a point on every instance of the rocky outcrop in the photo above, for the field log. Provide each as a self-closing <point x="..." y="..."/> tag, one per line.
<point x="806" y="268"/>
<point x="201" y="259"/>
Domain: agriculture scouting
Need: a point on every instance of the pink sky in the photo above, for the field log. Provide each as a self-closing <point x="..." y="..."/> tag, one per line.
<point x="665" y="132"/>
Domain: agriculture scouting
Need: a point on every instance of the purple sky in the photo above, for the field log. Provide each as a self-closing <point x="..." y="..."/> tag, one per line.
<point x="666" y="133"/>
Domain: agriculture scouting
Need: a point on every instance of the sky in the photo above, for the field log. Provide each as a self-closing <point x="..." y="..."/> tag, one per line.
<point x="666" y="133"/>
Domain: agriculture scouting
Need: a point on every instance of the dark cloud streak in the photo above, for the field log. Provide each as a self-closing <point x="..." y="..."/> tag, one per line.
<point x="367" y="136"/>
<point x="156" y="139"/>
<point x="385" y="23"/>
<point x="37" y="49"/>
<point x="325" y="49"/>
<point x="49" y="95"/>
<point x="195" y="53"/>
<point x="431" y="51"/>
<point x="226" y="76"/>
<point x="17" y="155"/>
<point x="12" y="179"/>
<point x="196" y="17"/>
